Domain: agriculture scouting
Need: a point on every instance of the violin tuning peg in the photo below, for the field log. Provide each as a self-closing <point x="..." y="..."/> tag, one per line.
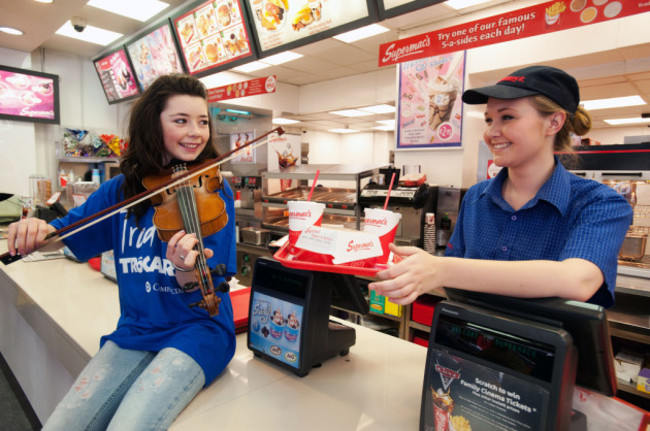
<point x="224" y="287"/>
<point x="189" y="286"/>
<point x="220" y="270"/>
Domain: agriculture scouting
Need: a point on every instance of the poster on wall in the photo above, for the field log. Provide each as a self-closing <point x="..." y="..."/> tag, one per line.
<point x="429" y="103"/>
<point x="26" y="95"/>
<point x="214" y="34"/>
<point x="283" y="153"/>
<point x="153" y="55"/>
<point x="248" y="154"/>
<point x="283" y="24"/>
<point x="116" y="75"/>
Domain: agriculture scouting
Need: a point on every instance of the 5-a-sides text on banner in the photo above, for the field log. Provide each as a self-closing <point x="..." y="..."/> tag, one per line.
<point x="253" y="87"/>
<point x="531" y="21"/>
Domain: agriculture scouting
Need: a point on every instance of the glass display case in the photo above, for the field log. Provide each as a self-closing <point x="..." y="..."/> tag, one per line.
<point x="341" y="203"/>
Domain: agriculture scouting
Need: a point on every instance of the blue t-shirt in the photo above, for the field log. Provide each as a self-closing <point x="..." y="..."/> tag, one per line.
<point x="569" y="217"/>
<point x="155" y="311"/>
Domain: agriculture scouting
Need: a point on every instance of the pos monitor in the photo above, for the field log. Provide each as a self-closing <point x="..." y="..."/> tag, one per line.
<point x="289" y="323"/>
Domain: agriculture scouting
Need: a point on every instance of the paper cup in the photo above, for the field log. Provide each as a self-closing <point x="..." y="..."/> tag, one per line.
<point x="384" y="224"/>
<point x="302" y="214"/>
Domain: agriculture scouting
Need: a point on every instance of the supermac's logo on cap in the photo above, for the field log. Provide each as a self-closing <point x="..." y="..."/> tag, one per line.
<point x="514" y="79"/>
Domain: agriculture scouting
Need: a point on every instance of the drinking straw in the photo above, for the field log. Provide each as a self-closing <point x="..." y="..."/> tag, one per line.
<point x="313" y="185"/>
<point x="389" y="189"/>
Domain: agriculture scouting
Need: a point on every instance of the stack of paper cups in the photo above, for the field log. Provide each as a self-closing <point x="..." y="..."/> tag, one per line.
<point x="430" y="233"/>
<point x="384" y="224"/>
<point x="302" y="214"/>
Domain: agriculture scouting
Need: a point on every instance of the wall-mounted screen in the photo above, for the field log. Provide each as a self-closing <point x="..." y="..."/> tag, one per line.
<point x="117" y="77"/>
<point x="213" y="36"/>
<point x="26" y="95"/>
<point x="154" y="54"/>
<point x="391" y="8"/>
<point x="284" y="24"/>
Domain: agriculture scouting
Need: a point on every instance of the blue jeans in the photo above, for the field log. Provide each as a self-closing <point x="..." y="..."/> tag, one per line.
<point x="123" y="389"/>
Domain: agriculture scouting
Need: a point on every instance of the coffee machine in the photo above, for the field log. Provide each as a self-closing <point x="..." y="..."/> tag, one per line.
<point x="447" y="208"/>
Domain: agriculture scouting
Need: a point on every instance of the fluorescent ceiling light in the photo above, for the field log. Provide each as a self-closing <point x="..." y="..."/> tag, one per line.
<point x="462" y="4"/>
<point x="11" y="30"/>
<point x="351" y="113"/>
<point x="91" y="34"/>
<point x="390" y="123"/>
<point x="379" y="109"/>
<point x="251" y="67"/>
<point x="384" y="128"/>
<point x="45" y="1"/>
<point x="140" y="10"/>
<point x="280" y="58"/>
<point x="620" y="121"/>
<point x="343" y="130"/>
<point x="284" y="121"/>
<point x="614" y="102"/>
<point x="237" y="111"/>
<point x="361" y="33"/>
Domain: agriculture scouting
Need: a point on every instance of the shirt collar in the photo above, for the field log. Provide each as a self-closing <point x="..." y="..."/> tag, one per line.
<point x="556" y="190"/>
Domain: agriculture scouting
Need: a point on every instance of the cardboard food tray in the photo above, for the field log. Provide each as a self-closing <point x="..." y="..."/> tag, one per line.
<point x="282" y="256"/>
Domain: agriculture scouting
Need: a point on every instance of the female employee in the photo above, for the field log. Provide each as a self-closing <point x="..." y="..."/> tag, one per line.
<point x="162" y="352"/>
<point x="535" y="230"/>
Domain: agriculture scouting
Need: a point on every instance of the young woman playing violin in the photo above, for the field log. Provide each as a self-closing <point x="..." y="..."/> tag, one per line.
<point x="163" y="351"/>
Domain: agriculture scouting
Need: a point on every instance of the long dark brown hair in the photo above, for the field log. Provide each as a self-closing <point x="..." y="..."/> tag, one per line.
<point x="145" y="152"/>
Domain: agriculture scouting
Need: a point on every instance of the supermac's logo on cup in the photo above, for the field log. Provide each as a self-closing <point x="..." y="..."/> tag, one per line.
<point x="377" y="222"/>
<point x="305" y="215"/>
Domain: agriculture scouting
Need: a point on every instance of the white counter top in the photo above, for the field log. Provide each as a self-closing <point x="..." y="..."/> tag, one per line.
<point x="376" y="387"/>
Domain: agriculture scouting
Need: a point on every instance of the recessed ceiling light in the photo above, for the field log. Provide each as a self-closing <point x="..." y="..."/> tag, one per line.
<point x="384" y="128"/>
<point x="379" y="109"/>
<point x="343" y="130"/>
<point x="280" y="58"/>
<point x="11" y="30"/>
<point x="351" y="113"/>
<point x="613" y="102"/>
<point x="251" y="67"/>
<point x="361" y="33"/>
<point x="140" y="10"/>
<point x="462" y="4"/>
<point x="390" y="123"/>
<point x="620" y="121"/>
<point x="91" y="34"/>
<point x="284" y="121"/>
<point x="45" y="1"/>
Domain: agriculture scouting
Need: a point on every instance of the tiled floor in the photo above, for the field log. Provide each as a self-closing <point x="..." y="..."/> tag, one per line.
<point x="15" y="411"/>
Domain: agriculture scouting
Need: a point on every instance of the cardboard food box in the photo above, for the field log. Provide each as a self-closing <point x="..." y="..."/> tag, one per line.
<point x="392" y="308"/>
<point x="628" y="365"/>
<point x="643" y="380"/>
<point x="345" y="246"/>
<point x="377" y="302"/>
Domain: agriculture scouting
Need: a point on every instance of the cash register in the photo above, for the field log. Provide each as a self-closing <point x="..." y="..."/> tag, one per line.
<point x="514" y="362"/>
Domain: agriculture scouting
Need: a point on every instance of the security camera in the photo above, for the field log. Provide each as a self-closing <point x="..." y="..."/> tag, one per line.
<point x="79" y="23"/>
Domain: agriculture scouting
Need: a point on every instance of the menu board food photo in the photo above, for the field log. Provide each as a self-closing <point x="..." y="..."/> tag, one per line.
<point x="116" y="75"/>
<point x="26" y="95"/>
<point x="213" y="34"/>
<point x="282" y="24"/>
<point x="154" y="54"/>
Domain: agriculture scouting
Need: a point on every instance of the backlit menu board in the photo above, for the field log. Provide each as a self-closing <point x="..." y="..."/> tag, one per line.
<point x="390" y="8"/>
<point x="213" y="34"/>
<point x="116" y="76"/>
<point x="26" y="95"/>
<point x="154" y="54"/>
<point x="283" y="24"/>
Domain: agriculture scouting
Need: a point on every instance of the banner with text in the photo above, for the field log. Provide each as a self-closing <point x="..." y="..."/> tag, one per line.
<point x="253" y="87"/>
<point x="531" y="21"/>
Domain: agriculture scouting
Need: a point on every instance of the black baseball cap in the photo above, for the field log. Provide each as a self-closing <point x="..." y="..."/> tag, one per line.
<point x="553" y="83"/>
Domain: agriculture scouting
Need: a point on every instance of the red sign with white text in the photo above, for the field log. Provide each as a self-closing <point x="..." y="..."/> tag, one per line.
<point x="518" y="24"/>
<point x="253" y="87"/>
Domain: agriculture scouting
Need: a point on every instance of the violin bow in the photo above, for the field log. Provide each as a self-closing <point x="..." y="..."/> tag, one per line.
<point x="93" y="219"/>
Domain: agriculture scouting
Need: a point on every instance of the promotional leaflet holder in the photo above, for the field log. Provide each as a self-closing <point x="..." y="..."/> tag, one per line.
<point x="289" y="323"/>
<point x="513" y="362"/>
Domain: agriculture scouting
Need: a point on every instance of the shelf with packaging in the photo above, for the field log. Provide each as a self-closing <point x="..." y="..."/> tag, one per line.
<point x="114" y="160"/>
<point x="341" y="204"/>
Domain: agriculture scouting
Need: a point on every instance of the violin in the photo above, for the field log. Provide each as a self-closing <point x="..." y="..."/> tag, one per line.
<point x="196" y="207"/>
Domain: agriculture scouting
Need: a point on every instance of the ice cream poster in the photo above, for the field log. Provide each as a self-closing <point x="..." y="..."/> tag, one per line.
<point x="27" y="96"/>
<point x="275" y="328"/>
<point x="246" y="155"/>
<point x="429" y="102"/>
